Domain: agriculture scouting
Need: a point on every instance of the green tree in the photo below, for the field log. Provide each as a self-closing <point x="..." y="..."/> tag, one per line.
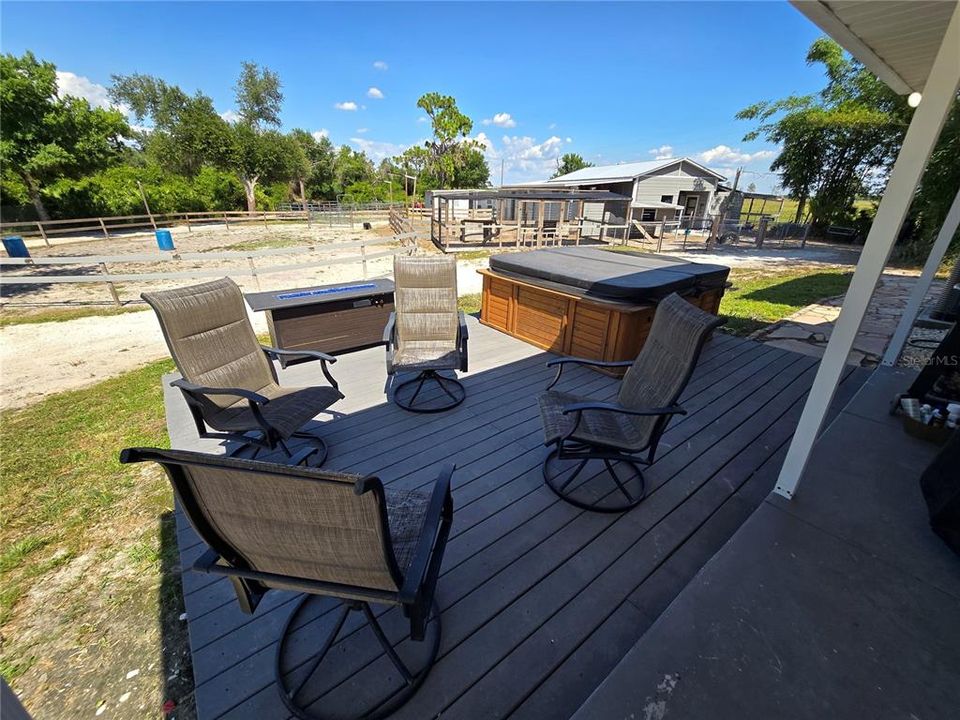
<point x="451" y="129"/>
<point x="472" y="170"/>
<point x="45" y="136"/>
<point x="261" y="154"/>
<point x="187" y="132"/>
<point x="350" y="167"/>
<point x="314" y="177"/>
<point x="570" y="162"/>
<point x="837" y="144"/>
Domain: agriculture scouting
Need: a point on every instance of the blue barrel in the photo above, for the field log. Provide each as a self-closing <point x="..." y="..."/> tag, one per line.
<point x="15" y="247"/>
<point x="165" y="240"/>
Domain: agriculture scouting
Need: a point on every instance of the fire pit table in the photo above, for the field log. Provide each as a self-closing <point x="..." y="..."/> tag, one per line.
<point x="334" y="319"/>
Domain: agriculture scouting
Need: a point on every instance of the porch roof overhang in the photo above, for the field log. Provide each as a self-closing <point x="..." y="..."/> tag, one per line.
<point x="897" y="40"/>
<point x="653" y="204"/>
<point x="913" y="47"/>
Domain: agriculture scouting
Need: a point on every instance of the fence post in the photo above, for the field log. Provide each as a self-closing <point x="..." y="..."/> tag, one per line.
<point x="663" y="229"/>
<point x="363" y="258"/>
<point x="265" y="218"/>
<point x="113" y="288"/>
<point x="43" y="232"/>
<point x="104" y="228"/>
<point x="806" y="234"/>
<point x="253" y="271"/>
<point x="187" y="217"/>
<point x="762" y="231"/>
<point x="225" y="222"/>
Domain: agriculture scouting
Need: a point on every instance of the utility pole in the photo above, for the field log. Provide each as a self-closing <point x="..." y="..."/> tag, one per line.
<point x="143" y="196"/>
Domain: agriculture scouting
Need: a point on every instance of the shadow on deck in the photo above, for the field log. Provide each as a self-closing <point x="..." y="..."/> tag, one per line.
<point x="539" y="600"/>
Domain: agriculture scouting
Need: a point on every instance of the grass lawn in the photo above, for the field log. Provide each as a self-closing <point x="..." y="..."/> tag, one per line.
<point x="761" y="297"/>
<point x="28" y="317"/>
<point x="87" y="587"/>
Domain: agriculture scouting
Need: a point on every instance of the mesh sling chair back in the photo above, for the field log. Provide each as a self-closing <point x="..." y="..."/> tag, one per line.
<point x="624" y="433"/>
<point x="271" y="526"/>
<point x="229" y="381"/>
<point x="426" y="333"/>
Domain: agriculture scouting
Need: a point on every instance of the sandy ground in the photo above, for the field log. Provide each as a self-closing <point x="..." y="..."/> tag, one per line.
<point x="77" y="353"/>
<point x="43" y="358"/>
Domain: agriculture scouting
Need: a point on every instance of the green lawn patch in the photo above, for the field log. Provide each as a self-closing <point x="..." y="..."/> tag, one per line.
<point x="18" y="316"/>
<point x="761" y="297"/>
<point x="88" y="547"/>
<point x="470" y="303"/>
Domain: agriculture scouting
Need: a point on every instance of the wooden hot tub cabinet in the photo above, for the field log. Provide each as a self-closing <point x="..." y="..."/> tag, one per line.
<point x="568" y="322"/>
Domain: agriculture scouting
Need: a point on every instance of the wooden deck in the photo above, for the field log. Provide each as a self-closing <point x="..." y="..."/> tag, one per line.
<point x="539" y="600"/>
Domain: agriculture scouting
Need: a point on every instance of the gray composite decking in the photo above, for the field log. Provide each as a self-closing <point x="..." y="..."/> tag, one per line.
<point x="839" y="603"/>
<point x="539" y="600"/>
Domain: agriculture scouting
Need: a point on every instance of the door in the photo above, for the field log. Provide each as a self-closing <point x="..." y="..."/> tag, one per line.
<point x="690" y="206"/>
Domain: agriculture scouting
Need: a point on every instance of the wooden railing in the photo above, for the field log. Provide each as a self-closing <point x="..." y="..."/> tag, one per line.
<point x="105" y="227"/>
<point x="406" y="241"/>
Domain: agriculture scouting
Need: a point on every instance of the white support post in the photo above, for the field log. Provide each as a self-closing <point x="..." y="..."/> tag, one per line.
<point x="920" y="288"/>
<point x="938" y="96"/>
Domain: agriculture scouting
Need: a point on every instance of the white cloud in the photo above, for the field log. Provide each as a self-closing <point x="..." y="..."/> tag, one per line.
<point x="664" y="152"/>
<point x="569" y="139"/>
<point x="423" y="119"/>
<point x="523" y="157"/>
<point x="380" y="65"/>
<point x="69" y="83"/>
<point x="320" y="134"/>
<point x="503" y="120"/>
<point x="377" y="150"/>
<point x="723" y="154"/>
<point x="375" y="93"/>
<point x="231" y="116"/>
<point x="552" y="126"/>
<point x="348" y="105"/>
<point x="361" y="131"/>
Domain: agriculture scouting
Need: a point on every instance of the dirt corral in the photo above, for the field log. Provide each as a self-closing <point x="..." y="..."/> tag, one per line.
<point x="299" y="244"/>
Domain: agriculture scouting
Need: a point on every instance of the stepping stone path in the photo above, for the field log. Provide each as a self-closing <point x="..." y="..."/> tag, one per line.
<point x="808" y="330"/>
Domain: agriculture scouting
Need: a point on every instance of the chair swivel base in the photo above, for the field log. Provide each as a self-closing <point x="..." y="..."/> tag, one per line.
<point x="412" y="680"/>
<point x="605" y="491"/>
<point x="312" y="454"/>
<point x="453" y="393"/>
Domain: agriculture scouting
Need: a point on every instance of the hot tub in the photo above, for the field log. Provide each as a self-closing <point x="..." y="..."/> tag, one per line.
<point x="589" y="302"/>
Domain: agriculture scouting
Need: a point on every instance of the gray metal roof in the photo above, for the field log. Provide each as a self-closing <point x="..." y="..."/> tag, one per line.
<point x="531" y="193"/>
<point x="623" y="171"/>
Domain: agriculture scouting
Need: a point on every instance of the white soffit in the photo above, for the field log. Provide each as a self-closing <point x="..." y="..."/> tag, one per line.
<point x="897" y="39"/>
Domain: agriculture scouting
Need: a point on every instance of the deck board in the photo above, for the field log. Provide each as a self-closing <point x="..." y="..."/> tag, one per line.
<point x="539" y="600"/>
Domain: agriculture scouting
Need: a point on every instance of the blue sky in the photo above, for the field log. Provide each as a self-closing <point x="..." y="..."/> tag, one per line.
<point x="615" y="82"/>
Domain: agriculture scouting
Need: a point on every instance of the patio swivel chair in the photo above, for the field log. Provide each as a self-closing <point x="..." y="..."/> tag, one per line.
<point x="279" y="527"/>
<point x="229" y="381"/>
<point x="426" y="334"/>
<point x="624" y="433"/>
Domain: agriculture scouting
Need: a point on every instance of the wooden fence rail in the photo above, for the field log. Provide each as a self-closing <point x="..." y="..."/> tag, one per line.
<point x="330" y="213"/>
<point x="407" y="242"/>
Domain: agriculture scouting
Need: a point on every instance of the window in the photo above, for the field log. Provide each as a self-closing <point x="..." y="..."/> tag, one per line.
<point x="648" y="215"/>
<point x="667" y="199"/>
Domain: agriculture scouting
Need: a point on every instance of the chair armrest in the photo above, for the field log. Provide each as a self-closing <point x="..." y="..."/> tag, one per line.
<point x="612" y="407"/>
<point x="436" y="526"/>
<point x="464" y="333"/>
<point x="561" y="363"/>
<point x="389" y="329"/>
<point x="311" y="355"/>
<point x="195" y="389"/>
